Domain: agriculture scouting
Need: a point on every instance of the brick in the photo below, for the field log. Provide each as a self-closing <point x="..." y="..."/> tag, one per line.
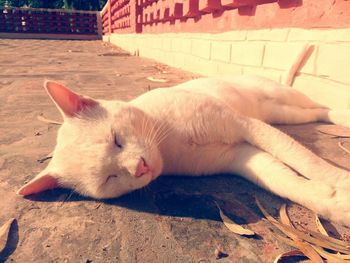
<point x="268" y="73"/>
<point x="333" y="61"/>
<point x="221" y="51"/>
<point x="326" y="92"/>
<point x="268" y="34"/>
<point x="340" y="35"/>
<point x="281" y="55"/>
<point x="178" y="60"/>
<point x="181" y="45"/>
<point x="201" y="48"/>
<point x="299" y="34"/>
<point x="247" y="53"/>
<point x="231" y="35"/>
<point x="320" y="35"/>
<point x="166" y="43"/>
<point x="229" y="69"/>
<point x="201" y="66"/>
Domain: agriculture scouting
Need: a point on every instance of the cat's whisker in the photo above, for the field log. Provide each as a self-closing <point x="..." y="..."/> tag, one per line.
<point x="158" y="127"/>
<point x="163" y="134"/>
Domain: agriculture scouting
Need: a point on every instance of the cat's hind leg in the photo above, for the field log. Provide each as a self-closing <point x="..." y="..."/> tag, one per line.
<point x="289" y="114"/>
<point x="268" y="172"/>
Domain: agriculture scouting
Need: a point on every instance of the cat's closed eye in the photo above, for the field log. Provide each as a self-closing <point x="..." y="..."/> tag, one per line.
<point x="117" y="142"/>
<point x="111" y="176"/>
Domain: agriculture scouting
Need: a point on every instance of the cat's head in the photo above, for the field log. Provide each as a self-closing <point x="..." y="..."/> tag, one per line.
<point x="104" y="148"/>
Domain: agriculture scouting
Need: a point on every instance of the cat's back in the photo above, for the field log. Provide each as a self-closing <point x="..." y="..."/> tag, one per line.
<point x="245" y="94"/>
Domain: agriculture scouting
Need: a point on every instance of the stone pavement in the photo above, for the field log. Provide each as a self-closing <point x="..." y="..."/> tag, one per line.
<point x="172" y="220"/>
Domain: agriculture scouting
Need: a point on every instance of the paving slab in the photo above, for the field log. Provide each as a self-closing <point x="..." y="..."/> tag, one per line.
<point x="175" y="219"/>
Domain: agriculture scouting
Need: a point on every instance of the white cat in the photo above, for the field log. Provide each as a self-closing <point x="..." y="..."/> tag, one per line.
<point x="204" y="126"/>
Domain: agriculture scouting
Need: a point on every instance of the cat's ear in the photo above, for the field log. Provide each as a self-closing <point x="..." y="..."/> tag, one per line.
<point x="43" y="181"/>
<point x="68" y="102"/>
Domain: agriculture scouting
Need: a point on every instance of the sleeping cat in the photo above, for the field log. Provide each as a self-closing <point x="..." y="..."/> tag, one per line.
<point x="205" y="126"/>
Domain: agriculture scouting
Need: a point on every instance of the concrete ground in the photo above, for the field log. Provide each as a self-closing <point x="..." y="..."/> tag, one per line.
<point x="172" y="220"/>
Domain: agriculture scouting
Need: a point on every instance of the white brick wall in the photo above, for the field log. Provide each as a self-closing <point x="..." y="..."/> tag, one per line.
<point x="325" y="75"/>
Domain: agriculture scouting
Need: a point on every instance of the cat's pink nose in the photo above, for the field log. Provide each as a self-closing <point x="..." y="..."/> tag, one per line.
<point x="142" y="168"/>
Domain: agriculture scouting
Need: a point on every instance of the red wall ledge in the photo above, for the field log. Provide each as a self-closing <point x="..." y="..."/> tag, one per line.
<point x="213" y="16"/>
<point x="21" y="22"/>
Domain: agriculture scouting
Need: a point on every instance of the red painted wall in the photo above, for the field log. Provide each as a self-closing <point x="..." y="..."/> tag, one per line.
<point x="161" y="16"/>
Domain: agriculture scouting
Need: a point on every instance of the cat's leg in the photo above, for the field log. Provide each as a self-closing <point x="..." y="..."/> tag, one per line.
<point x="287" y="114"/>
<point x="292" y="153"/>
<point x="268" y="172"/>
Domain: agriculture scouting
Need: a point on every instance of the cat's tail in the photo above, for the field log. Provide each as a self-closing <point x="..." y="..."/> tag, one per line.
<point x="290" y="152"/>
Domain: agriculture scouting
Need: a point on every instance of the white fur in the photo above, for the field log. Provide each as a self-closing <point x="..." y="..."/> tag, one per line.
<point x="201" y="127"/>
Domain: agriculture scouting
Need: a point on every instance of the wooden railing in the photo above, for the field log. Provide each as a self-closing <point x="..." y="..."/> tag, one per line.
<point x="48" y="22"/>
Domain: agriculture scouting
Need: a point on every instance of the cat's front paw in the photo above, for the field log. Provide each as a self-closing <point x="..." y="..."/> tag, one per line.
<point x="337" y="206"/>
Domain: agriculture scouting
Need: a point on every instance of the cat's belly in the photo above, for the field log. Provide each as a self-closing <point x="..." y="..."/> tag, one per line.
<point x="193" y="159"/>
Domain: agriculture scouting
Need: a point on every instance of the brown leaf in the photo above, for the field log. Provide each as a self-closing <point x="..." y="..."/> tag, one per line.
<point x="320" y="227"/>
<point x="4" y="233"/>
<point x="341" y="145"/>
<point x="43" y="119"/>
<point x="233" y="227"/>
<point x="157" y="80"/>
<point x="304" y="247"/>
<point x="334" y="130"/>
<point x="312" y="237"/>
<point x="284" y="216"/>
<point x="292" y="253"/>
<point x="334" y="258"/>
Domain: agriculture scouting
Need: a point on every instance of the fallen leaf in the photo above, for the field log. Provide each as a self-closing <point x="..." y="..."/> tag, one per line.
<point x="334" y="130"/>
<point x="307" y="250"/>
<point x="233" y="227"/>
<point x="320" y="227"/>
<point x="43" y="119"/>
<point x="312" y="237"/>
<point x="341" y="145"/>
<point x="284" y="216"/>
<point x="334" y="258"/>
<point x="292" y="253"/>
<point x="157" y="80"/>
<point x="304" y="247"/>
<point x="4" y="233"/>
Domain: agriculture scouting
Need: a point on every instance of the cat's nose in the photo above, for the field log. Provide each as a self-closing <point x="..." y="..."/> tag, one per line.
<point x="142" y="168"/>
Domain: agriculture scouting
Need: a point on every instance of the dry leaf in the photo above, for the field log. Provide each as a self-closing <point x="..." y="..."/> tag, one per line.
<point x="43" y="119"/>
<point x="157" y="80"/>
<point x="308" y="250"/>
<point x="320" y="227"/>
<point x="4" y="233"/>
<point x="292" y="253"/>
<point x="304" y="247"/>
<point x="233" y="227"/>
<point x="334" y="130"/>
<point x="284" y="216"/>
<point x="341" y="145"/>
<point x="312" y="237"/>
<point x="334" y="258"/>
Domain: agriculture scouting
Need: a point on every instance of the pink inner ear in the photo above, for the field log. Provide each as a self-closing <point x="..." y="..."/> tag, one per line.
<point x="69" y="102"/>
<point x="39" y="184"/>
